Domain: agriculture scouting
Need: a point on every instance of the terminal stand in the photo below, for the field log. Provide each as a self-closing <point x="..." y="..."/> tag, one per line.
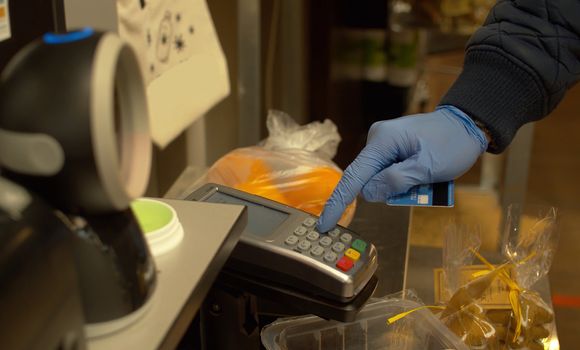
<point x="239" y="305"/>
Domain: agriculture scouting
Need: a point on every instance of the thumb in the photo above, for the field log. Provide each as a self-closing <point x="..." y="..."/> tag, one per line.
<point x="396" y="179"/>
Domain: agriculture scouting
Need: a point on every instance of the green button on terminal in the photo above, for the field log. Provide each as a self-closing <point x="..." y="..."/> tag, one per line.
<point x="359" y="245"/>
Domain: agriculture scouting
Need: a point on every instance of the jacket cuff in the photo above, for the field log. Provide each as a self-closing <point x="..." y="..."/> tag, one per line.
<point x="499" y="92"/>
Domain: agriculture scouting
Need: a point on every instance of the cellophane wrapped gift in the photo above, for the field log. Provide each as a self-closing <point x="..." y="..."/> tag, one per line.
<point x="495" y="306"/>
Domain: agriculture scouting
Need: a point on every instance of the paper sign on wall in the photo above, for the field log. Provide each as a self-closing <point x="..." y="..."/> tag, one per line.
<point x="181" y="59"/>
<point x="4" y="21"/>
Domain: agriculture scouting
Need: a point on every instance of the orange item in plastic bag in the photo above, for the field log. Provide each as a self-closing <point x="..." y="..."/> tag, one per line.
<point x="290" y="177"/>
<point x="311" y="187"/>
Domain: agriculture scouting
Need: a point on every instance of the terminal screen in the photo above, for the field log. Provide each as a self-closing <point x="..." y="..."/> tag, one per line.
<point x="262" y="220"/>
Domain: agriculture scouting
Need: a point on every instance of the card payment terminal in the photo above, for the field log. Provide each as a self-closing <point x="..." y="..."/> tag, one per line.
<point x="282" y="245"/>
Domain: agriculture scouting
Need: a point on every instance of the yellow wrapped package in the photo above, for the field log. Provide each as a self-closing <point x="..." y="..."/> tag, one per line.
<point x="292" y="166"/>
<point x="495" y="307"/>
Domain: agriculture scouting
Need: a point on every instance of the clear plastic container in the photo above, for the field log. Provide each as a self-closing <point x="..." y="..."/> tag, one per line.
<point x="420" y="330"/>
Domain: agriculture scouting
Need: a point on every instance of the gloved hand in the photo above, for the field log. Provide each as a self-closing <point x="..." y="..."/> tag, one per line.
<point x="404" y="152"/>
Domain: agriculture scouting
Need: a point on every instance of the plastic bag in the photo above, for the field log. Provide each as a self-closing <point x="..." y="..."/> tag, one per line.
<point x="495" y="307"/>
<point x="292" y="166"/>
<point x="463" y="313"/>
<point x="531" y="252"/>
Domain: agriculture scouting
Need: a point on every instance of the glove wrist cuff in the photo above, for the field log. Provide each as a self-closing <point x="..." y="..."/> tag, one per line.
<point x="487" y="133"/>
<point x="473" y="128"/>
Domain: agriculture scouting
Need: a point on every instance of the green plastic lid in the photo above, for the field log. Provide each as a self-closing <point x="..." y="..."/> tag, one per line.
<point x="151" y="215"/>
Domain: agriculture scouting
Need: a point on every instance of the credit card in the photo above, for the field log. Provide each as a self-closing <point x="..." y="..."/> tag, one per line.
<point x="439" y="194"/>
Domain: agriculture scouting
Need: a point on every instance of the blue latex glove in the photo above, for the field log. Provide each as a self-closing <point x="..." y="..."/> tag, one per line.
<point x="404" y="152"/>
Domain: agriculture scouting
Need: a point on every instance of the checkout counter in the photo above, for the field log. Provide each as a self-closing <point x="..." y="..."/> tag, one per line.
<point x="186" y="274"/>
<point x="402" y="265"/>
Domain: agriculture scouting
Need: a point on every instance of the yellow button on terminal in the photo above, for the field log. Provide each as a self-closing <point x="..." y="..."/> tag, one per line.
<point x="352" y="254"/>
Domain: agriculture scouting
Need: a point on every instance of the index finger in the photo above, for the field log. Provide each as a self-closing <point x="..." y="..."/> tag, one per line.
<point x="366" y="165"/>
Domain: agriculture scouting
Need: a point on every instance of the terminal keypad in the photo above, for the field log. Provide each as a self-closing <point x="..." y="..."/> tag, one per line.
<point x="337" y="247"/>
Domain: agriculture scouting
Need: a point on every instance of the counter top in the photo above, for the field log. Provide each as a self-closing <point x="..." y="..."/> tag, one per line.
<point x="184" y="276"/>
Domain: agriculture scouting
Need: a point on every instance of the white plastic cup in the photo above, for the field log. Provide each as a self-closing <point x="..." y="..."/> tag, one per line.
<point x="159" y="223"/>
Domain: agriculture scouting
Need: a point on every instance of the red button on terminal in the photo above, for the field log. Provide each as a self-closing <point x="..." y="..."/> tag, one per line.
<point x="345" y="264"/>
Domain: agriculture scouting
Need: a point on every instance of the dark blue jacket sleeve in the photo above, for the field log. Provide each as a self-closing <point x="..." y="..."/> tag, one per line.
<point x="518" y="65"/>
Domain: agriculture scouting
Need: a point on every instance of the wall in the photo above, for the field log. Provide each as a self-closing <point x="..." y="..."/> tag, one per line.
<point x="221" y="124"/>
